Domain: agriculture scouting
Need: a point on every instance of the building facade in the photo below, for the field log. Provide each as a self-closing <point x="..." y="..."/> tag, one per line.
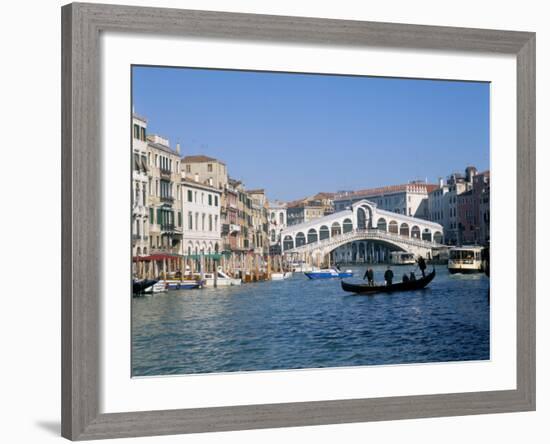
<point x="140" y="187"/>
<point x="409" y="199"/>
<point x="205" y="169"/>
<point x="165" y="208"/>
<point x="277" y="221"/>
<point x="201" y="218"/>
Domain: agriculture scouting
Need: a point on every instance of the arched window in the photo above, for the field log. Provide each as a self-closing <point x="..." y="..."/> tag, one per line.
<point x="324" y="233"/>
<point x="288" y="243"/>
<point x="393" y="227"/>
<point x="217" y="248"/>
<point x="404" y="230"/>
<point x="281" y="218"/>
<point x="415" y="232"/>
<point x="382" y="224"/>
<point x="300" y="239"/>
<point x="335" y="229"/>
<point x="348" y="225"/>
<point x="273" y="236"/>
<point x="312" y="236"/>
<point x="361" y="219"/>
<point x="427" y="235"/>
<point x="438" y="237"/>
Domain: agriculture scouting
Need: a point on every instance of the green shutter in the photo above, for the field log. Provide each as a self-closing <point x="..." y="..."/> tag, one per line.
<point x="159" y="216"/>
<point x="151" y="216"/>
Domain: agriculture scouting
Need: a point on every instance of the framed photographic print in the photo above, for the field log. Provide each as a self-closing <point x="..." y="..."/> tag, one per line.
<point x="279" y="221"/>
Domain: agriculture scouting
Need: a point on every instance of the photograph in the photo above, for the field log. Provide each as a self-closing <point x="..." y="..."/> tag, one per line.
<point x="289" y="220"/>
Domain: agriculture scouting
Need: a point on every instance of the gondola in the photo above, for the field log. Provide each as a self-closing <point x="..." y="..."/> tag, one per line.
<point x="398" y="286"/>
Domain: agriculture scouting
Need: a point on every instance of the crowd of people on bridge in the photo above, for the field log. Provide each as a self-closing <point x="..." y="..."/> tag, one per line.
<point x="388" y="275"/>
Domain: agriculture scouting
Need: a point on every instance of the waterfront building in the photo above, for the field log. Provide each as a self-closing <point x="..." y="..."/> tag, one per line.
<point x="453" y="209"/>
<point x="231" y="230"/>
<point x="298" y="213"/>
<point x="410" y="199"/>
<point x="140" y="181"/>
<point x="205" y="169"/>
<point x="277" y="221"/>
<point x="482" y="193"/>
<point x="165" y="209"/>
<point x="201" y="218"/>
<point x="259" y="227"/>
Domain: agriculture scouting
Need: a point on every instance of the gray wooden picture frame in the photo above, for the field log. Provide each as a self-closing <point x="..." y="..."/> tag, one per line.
<point x="81" y="231"/>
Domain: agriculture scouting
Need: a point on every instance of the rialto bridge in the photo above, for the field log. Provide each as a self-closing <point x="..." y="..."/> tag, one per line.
<point x="366" y="228"/>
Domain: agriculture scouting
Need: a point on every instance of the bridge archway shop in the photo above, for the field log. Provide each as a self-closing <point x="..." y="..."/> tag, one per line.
<point x="363" y="221"/>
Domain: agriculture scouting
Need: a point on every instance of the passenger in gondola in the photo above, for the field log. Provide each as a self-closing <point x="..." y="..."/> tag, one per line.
<point x="422" y="265"/>
<point x="337" y="266"/>
<point x="412" y="276"/>
<point x="388" y="276"/>
<point x="405" y="278"/>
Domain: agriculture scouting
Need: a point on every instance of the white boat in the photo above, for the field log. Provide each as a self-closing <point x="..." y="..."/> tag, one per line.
<point x="301" y="267"/>
<point x="402" y="258"/>
<point x="466" y="259"/>
<point x="281" y="276"/>
<point x="158" y="287"/>
<point x="222" y="279"/>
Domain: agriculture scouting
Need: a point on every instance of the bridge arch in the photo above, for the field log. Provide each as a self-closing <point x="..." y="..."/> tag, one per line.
<point x="393" y="227"/>
<point x="404" y="229"/>
<point x="347" y="225"/>
<point x="335" y="229"/>
<point x="427" y="234"/>
<point x="415" y="232"/>
<point x="324" y="232"/>
<point x="382" y="224"/>
<point x="438" y="237"/>
<point x="300" y="239"/>
<point x="288" y="243"/>
<point x="312" y="236"/>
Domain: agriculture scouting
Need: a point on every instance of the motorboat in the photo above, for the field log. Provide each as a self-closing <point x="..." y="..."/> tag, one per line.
<point x="329" y="273"/>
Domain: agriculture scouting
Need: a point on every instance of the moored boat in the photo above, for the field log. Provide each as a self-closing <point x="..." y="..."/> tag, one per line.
<point x="402" y="258"/>
<point x="465" y="260"/>
<point x="328" y="273"/>
<point x="222" y="279"/>
<point x="140" y="286"/>
<point x="410" y="285"/>
<point x="281" y="276"/>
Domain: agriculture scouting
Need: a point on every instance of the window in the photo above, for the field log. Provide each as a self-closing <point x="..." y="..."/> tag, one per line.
<point x="143" y="136"/>
<point x="179" y="218"/>
<point x="203" y="221"/>
<point x="136" y="131"/>
<point x="210" y="222"/>
<point x="190" y="221"/>
<point x="151" y="215"/>
<point x="209" y="199"/>
<point x="209" y="168"/>
<point x="216" y="201"/>
<point x="189" y="196"/>
<point x="187" y="168"/>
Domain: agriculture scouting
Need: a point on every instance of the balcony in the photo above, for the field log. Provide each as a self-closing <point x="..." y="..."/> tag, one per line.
<point x="167" y="199"/>
<point x="234" y="228"/>
<point x="164" y="172"/>
<point x="136" y="237"/>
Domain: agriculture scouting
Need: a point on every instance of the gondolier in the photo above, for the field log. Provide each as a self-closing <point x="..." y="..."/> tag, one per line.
<point x="388" y="276"/>
<point x="422" y="265"/>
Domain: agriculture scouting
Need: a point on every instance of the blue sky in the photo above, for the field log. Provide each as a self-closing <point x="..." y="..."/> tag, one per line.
<point x="298" y="134"/>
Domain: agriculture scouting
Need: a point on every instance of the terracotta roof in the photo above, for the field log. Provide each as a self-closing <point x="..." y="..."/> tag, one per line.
<point x="199" y="158"/>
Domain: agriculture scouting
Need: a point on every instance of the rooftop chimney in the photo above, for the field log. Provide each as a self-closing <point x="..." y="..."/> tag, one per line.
<point x="196" y="177"/>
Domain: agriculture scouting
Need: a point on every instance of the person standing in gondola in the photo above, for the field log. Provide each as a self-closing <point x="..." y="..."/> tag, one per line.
<point x="422" y="265"/>
<point x="369" y="275"/>
<point x="388" y="276"/>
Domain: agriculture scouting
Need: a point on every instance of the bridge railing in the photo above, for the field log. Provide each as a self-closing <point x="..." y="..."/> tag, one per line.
<point x="364" y="234"/>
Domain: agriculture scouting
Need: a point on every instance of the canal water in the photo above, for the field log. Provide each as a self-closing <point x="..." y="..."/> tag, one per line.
<point x="300" y="323"/>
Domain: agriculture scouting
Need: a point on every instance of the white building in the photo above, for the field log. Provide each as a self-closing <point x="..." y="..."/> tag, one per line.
<point x="201" y="218"/>
<point x="140" y="212"/>
<point x="277" y="220"/>
<point x="410" y="199"/>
